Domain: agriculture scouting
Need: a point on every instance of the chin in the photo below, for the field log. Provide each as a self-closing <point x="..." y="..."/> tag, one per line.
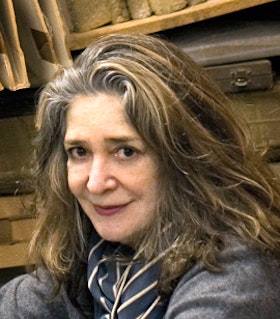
<point x="132" y="239"/>
<point x="116" y="238"/>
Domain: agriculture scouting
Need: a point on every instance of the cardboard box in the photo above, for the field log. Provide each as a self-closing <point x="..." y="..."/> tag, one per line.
<point x="13" y="73"/>
<point x="16" y="135"/>
<point x="13" y="255"/>
<point x="58" y="31"/>
<point x="5" y="231"/>
<point x="21" y="229"/>
<point x="119" y="11"/>
<point x="6" y="74"/>
<point x="36" y="42"/>
<point x="160" y="7"/>
<point x="14" y="206"/>
<point x="261" y="110"/>
<point x="89" y="14"/>
<point x="139" y="9"/>
<point x="275" y="167"/>
<point x="16" y="222"/>
<point x="16" y="230"/>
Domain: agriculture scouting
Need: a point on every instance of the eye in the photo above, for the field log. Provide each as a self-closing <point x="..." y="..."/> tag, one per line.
<point x="126" y="152"/>
<point x="76" y="152"/>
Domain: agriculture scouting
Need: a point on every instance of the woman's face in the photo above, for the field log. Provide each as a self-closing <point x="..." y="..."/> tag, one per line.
<point x="111" y="171"/>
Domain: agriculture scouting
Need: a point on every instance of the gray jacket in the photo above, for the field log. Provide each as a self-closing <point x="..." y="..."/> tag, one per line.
<point x="248" y="287"/>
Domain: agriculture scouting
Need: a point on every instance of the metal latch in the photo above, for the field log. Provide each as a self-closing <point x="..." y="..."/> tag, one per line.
<point x="241" y="77"/>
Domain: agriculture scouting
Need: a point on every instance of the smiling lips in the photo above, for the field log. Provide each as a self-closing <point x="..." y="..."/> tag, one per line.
<point x="109" y="210"/>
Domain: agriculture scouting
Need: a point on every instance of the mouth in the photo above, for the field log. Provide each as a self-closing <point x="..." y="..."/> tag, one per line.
<point x="109" y="210"/>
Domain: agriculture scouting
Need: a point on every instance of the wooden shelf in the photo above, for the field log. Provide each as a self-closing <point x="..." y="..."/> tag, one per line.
<point x="154" y="23"/>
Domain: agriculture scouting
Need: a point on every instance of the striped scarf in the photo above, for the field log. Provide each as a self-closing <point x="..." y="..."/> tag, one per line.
<point x="122" y="292"/>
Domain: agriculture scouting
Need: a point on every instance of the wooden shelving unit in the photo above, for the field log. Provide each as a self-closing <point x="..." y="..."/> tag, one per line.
<point x="152" y="24"/>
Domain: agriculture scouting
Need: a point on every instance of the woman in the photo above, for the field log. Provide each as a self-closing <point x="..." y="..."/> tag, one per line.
<point x="149" y="193"/>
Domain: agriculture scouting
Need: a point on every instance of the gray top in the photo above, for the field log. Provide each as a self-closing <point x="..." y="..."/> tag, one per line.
<point x="249" y="287"/>
<point x="25" y="297"/>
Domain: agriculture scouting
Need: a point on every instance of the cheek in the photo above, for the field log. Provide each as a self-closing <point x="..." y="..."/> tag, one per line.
<point x="153" y="193"/>
<point x="75" y="180"/>
<point x="150" y="188"/>
<point x="72" y="183"/>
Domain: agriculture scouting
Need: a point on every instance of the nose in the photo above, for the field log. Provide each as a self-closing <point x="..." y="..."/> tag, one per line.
<point x="101" y="177"/>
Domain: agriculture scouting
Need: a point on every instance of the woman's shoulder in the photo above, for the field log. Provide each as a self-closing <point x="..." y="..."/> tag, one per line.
<point x="28" y="294"/>
<point x="248" y="286"/>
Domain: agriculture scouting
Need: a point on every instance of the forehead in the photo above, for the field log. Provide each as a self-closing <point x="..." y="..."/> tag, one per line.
<point x="96" y="114"/>
<point x="97" y="105"/>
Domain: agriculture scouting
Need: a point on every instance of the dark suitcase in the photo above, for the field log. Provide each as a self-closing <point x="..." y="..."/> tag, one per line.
<point x="236" y="53"/>
<point x="239" y="55"/>
<point x="222" y="40"/>
<point x="245" y="76"/>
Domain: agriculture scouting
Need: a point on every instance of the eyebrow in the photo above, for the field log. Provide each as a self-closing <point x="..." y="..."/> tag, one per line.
<point x="110" y="140"/>
<point x="122" y="139"/>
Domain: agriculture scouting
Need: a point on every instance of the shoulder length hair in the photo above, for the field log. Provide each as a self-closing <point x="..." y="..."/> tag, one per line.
<point x="212" y="181"/>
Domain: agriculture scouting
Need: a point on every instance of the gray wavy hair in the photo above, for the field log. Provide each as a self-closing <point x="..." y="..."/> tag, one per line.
<point x="212" y="181"/>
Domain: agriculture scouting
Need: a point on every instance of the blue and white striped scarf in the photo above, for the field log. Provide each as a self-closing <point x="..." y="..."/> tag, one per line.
<point x="122" y="292"/>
